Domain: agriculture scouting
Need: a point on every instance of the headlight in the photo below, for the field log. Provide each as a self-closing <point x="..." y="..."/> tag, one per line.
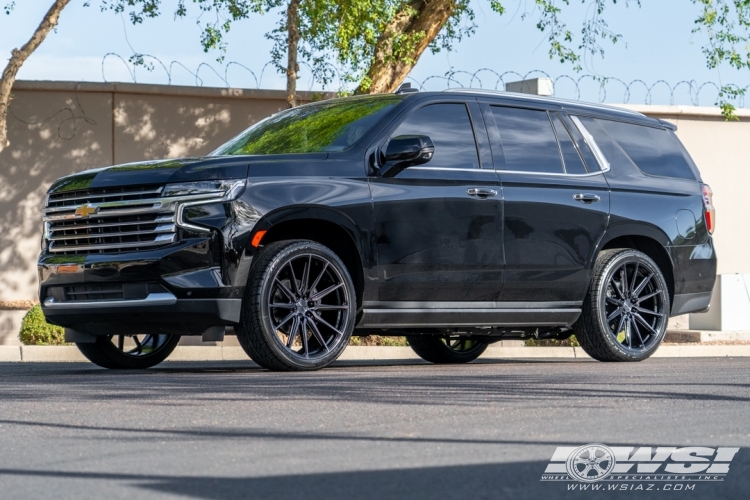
<point x="192" y="194"/>
<point x="226" y="189"/>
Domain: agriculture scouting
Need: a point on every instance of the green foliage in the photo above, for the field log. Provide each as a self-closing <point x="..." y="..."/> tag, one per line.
<point x="222" y="14"/>
<point x="727" y="25"/>
<point x="562" y="40"/>
<point x="36" y="331"/>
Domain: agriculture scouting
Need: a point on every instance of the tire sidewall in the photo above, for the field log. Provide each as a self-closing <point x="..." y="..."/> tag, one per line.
<point x="278" y="261"/>
<point x="610" y="268"/>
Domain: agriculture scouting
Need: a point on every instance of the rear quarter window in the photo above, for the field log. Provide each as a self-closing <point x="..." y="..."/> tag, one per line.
<point x="653" y="150"/>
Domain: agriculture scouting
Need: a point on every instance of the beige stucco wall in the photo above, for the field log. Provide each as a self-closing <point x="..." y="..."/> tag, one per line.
<point x="57" y="128"/>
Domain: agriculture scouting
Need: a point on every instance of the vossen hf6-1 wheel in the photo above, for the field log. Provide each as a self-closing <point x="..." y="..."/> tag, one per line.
<point x="299" y="308"/>
<point x="626" y="310"/>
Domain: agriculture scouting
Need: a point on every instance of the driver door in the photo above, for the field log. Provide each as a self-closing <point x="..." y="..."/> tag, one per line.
<point x="438" y="225"/>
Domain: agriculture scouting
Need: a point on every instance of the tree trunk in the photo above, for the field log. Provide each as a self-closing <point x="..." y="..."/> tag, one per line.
<point x="292" y="67"/>
<point x="386" y="73"/>
<point x="18" y="57"/>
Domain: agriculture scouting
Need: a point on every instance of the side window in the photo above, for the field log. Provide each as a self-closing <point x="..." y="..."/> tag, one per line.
<point x="573" y="162"/>
<point x="653" y="150"/>
<point x="527" y="140"/>
<point x="449" y="127"/>
<point x="604" y="142"/>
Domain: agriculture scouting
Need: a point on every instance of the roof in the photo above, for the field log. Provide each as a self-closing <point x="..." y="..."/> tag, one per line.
<point x="566" y="104"/>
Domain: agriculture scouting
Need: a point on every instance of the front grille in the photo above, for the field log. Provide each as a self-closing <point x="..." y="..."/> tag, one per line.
<point x="116" y="291"/>
<point x="120" y="219"/>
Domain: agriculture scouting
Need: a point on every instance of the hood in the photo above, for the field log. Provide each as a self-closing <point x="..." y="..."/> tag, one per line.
<point x="166" y="171"/>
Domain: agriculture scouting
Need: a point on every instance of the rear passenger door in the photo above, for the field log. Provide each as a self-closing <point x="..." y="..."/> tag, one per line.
<point x="556" y="205"/>
<point x="439" y="225"/>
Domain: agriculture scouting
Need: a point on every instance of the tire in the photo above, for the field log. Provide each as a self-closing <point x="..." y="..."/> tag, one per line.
<point x="626" y="310"/>
<point x="149" y="351"/>
<point x="446" y="350"/>
<point x="299" y="309"/>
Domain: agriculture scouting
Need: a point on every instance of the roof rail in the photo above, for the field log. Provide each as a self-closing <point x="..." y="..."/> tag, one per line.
<point x="531" y="97"/>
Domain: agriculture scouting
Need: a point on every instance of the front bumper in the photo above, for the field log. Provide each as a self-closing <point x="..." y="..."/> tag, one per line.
<point x="189" y="290"/>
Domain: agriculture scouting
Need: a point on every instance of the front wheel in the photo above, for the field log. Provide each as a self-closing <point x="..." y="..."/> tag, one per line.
<point x="129" y="351"/>
<point x="446" y="350"/>
<point x="299" y="309"/>
<point x="626" y="310"/>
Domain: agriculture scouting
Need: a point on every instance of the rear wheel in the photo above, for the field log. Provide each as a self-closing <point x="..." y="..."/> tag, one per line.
<point x="626" y="310"/>
<point x="446" y="350"/>
<point x="129" y="351"/>
<point x="300" y="307"/>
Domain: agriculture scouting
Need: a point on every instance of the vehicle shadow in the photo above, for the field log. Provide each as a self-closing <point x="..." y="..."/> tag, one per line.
<point x="560" y="382"/>
<point x="517" y="480"/>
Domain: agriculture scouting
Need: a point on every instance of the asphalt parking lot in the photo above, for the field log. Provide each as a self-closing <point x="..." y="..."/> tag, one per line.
<point x="357" y="430"/>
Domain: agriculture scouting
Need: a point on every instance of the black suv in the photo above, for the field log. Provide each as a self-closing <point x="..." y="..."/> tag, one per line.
<point x="454" y="218"/>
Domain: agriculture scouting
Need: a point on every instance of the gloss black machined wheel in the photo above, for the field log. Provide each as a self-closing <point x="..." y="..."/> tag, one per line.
<point x="634" y="306"/>
<point x="446" y="350"/>
<point x="626" y="311"/>
<point x="129" y="351"/>
<point x="299" y="312"/>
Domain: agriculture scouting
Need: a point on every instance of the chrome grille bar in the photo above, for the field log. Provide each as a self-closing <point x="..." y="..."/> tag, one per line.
<point x="161" y="240"/>
<point x="165" y="228"/>
<point x="75" y="196"/>
<point x="74" y="226"/>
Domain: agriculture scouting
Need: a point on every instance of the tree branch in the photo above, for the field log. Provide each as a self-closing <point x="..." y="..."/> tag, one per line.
<point x="404" y="39"/>
<point x="18" y="57"/>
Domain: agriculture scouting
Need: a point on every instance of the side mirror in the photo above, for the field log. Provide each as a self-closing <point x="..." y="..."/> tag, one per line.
<point x="406" y="151"/>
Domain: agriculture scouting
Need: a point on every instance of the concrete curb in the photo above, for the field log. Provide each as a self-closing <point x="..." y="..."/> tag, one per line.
<point x="42" y="354"/>
<point x="684" y="336"/>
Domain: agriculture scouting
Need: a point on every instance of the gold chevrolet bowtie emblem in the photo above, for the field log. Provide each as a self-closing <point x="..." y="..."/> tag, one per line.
<point x="86" y="210"/>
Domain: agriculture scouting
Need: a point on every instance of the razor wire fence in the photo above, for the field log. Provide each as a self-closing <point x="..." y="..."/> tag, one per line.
<point x="588" y="87"/>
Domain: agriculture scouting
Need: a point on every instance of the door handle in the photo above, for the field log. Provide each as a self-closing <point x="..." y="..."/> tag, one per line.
<point x="481" y="193"/>
<point x="586" y="197"/>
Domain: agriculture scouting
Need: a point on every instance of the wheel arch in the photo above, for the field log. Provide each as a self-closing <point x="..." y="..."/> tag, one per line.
<point x="649" y="241"/>
<point x="323" y="225"/>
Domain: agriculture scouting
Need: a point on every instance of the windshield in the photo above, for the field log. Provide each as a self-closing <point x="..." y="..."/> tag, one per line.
<point x="333" y="125"/>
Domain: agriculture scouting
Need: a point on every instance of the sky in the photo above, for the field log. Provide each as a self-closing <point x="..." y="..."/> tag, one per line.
<point x="657" y="46"/>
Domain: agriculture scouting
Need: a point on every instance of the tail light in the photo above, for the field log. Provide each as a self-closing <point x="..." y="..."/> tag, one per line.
<point x="708" y="208"/>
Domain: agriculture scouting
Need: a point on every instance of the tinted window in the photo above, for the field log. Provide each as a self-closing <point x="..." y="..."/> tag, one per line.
<point x="333" y="125"/>
<point x="653" y="150"/>
<point x="449" y="127"/>
<point x="573" y="162"/>
<point x="607" y="145"/>
<point x="528" y="140"/>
